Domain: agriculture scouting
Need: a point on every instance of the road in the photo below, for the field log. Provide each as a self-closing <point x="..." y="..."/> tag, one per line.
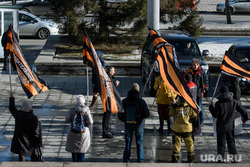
<point x="219" y="17"/>
<point x="31" y="48"/>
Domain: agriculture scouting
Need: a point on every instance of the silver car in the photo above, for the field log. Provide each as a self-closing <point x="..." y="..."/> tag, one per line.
<point x="235" y="6"/>
<point x="31" y="25"/>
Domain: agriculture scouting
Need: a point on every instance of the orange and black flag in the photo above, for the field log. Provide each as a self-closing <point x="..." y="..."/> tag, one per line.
<point x="31" y="83"/>
<point x="111" y="100"/>
<point x="232" y="66"/>
<point x="169" y="71"/>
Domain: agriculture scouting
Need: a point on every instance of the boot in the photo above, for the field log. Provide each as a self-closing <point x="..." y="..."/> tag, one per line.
<point x="169" y="127"/>
<point x="161" y="126"/>
<point x="93" y="102"/>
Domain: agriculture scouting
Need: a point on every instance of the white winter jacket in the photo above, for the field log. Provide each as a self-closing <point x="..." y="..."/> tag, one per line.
<point x="79" y="142"/>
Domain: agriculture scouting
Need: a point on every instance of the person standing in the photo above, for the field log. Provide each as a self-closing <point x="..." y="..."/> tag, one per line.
<point x="111" y="73"/>
<point x="136" y="111"/>
<point x="95" y="87"/>
<point x="164" y="98"/>
<point x="200" y="78"/>
<point x="4" y="44"/>
<point x="27" y="138"/>
<point x="79" y="143"/>
<point x="224" y="111"/>
<point x="185" y="124"/>
<point x="106" y="116"/>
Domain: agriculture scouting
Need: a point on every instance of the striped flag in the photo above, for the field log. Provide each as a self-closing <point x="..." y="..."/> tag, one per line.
<point x="232" y="66"/>
<point x="31" y="83"/>
<point x="168" y="70"/>
<point x="111" y="100"/>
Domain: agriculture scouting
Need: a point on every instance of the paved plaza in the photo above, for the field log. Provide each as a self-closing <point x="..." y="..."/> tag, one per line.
<point x="51" y="107"/>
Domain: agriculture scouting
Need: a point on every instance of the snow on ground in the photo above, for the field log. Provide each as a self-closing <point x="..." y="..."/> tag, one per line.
<point x="216" y="45"/>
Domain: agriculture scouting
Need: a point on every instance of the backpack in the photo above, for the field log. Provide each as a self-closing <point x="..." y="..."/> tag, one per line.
<point x="78" y="124"/>
<point x="132" y="113"/>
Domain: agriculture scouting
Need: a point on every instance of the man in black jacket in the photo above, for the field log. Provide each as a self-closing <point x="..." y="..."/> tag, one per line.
<point x="224" y="111"/>
<point x="136" y="111"/>
<point x="4" y="44"/>
<point x="106" y="116"/>
<point x="200" y="78"/>
<point x="27" y="136"/>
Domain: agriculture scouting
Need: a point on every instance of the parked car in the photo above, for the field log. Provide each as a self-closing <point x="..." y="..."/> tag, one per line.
<point x="38" y="7"/>
<point x="241" y="52"/>
<point x="235" y="6"/>
<point x="31" y="25"/>
<point x="9" y="2"/>
<point x="180" y="40"/>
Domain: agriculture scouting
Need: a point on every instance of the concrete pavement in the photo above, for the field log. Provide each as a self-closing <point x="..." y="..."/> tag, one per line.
<point x="52" y="106"/>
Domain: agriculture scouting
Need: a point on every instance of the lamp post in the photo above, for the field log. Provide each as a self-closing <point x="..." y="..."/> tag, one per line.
<point x="153" y="14"/>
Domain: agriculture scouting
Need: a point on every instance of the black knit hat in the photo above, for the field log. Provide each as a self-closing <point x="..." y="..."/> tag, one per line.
<point x="188" y="77"/>
<point x="223" y="89"/>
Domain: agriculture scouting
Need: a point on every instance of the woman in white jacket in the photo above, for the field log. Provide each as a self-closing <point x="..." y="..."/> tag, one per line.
<point x="79" y="143"/>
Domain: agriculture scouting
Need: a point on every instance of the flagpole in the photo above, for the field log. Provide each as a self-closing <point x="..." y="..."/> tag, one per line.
<point x="87" y="69"/>
<point x="216" y="87"/>
<point x="172" y="96"/>
<point x="148" y="79"/>
<point x="10" y="74"/>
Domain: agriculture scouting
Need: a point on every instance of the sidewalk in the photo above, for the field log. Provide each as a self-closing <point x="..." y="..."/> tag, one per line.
<point x="52" y="106"/>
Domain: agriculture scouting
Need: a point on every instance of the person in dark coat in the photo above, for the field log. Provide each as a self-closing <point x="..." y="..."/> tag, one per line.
<point x="137" y="127"/>
<point x="95" y="86"/>
<point x="26" y="139"/>
<point x="4" y="44"/>
<point x="106" y="116"/>
<point x="200" y="78"/>
<point x="224" y="111"/>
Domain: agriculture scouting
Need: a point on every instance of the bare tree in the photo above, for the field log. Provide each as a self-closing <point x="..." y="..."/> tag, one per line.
<point x="228" y="12"/>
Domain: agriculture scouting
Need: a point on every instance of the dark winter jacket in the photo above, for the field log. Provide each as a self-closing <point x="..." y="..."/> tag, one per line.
<point x="5" y="38"/>
<point x="200" y="78"/>
<point x="224" y="111"/>
<point x="112" y="78"/>
<point x="26" y="135"/>
<point x="133" y="95"/>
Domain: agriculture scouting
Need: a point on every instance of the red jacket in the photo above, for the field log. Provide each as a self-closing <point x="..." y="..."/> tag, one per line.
<point x="200" y="78"/>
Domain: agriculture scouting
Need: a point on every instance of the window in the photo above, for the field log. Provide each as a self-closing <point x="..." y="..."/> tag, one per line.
<point x="25" y="18"/>
<point x="8" y="19"/>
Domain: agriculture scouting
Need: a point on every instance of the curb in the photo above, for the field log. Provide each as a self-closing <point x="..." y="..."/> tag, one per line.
<point x="226" y="33"/>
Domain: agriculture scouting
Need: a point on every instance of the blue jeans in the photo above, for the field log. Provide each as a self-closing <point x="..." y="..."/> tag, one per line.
<point x="78" y="157"/>
<point x="129" y="130"/>
<point x="201" y="114"/>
